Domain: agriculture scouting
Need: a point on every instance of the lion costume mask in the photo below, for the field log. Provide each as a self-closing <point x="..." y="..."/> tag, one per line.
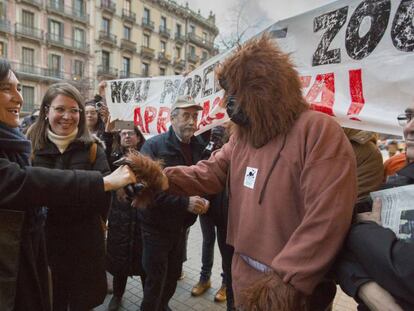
<point x="267" y="88"/>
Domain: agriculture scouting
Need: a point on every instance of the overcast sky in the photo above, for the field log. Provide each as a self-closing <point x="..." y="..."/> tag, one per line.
<point x="257" y="14"/>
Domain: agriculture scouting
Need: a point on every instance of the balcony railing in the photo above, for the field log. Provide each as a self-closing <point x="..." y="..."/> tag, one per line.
<point x="200" y="41"/>
<point x="67" y="11"/>
<point x="164" y="32"/>
<point x="67" y="43"/>
<point x="147" y="24"/>
<point x="36" y="3"/>
<point x="193" y="58"/>
<point x="179" y="38"/>
<point x="107" y="71"/>
<point x="128" y="45"/>
<point x="37" y="73"/>
<point x="108" y="6"/>
<point x="28" y="31"/>
<point x="147" y="52"/>
<point x="5" y="25"/>
<point x="107" y="37"/>
<point x="129" y="16"/>
<point x="127" y="74"/>
<point x="163" y="58"/>
<point x="179" y="63"/>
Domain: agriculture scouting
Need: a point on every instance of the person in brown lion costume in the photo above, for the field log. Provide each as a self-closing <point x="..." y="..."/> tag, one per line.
<point x="291" y="178"/>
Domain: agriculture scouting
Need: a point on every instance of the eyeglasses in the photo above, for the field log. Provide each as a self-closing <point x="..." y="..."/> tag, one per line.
<point x="129" y="134"/>
<point x="405" y="118"/>
<point x="61" y="111"/>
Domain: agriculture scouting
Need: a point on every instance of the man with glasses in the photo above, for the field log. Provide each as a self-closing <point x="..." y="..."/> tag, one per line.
<point x="165" y="223"/>
<point x="377" y="268"/>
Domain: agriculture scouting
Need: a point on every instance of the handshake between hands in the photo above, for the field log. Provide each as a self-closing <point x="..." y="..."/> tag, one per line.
<point x="198" y="205"/>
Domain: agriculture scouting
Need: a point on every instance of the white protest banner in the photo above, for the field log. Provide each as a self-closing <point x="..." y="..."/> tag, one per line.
<point x="354" y="59"/>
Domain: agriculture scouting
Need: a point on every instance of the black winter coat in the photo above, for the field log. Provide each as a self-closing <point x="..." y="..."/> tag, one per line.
<point x="24" y="189"/>
<point x="169" y="212"/>
<point x="124" y="241"/>
<point x="75" y="240"/>
<point x="374" y="253"/>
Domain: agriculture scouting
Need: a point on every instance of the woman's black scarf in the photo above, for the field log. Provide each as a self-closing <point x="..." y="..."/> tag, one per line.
<point x="14" y="146"/>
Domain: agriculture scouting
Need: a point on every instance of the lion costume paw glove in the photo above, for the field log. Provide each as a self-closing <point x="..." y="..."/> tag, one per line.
<point x="150" y="177"/>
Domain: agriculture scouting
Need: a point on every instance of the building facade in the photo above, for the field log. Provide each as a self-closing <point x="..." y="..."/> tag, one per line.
<point x="150" y="38"/>
<point x="84" y="42"/>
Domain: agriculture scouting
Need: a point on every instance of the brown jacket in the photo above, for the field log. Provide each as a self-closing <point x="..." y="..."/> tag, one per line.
<point x="291" y="200"/>
<point x="370" y="170"/>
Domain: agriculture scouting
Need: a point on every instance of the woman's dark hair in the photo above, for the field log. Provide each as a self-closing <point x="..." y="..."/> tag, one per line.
<point x="100" y="124"/>
<point x="5" y="69"/>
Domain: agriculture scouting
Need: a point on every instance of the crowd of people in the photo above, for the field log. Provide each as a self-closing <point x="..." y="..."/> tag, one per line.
<point x="283" y="189"/>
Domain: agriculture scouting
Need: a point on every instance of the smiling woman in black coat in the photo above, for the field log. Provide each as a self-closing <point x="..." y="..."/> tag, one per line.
<point x="23" y="190"/>
<point x="61" y="140"/>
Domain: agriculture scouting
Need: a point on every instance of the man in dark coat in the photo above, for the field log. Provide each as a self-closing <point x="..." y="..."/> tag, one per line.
<point x="164" y="224"/>
<point x="377" y="268"/>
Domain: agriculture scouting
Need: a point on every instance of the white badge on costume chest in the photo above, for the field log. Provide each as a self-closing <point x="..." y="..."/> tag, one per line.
<point x="250" y="177"/>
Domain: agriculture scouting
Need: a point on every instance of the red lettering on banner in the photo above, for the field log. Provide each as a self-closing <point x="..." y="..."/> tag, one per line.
<point x="218" y="101"/>
<point x="138" y="119"/>
<point x="357" y="94"/>
<point x="206" y="119"/>
<point x="163" y="118"/>
<point x="324" y="85"/>
<point x="305" y="81"/>
<point x="206" y="109"/>
<point x="149" y="116"/>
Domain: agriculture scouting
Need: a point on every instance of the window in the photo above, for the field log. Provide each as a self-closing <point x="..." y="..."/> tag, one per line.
<point x="145" y="69"/>
<point x="28" y="19"/>
<point x="28" y="60"/>
<point x="78" y="8"/>
<point x="178" y="30"/>
<point x="77" y="69"/>
<point x="204" y="37"/>
<point x="192" y="50"/>
<point x="146" y="42"/>
<point x="28" y="98"/>
<point x="163" y="46"/>
<point x="192" y="29"/>
<point x="147" y="16"/>
<point x="55" y="64"/>
<point x="127" y="33"/>
<point x="178" y="52"/>
<point x="204" y="56"/>
<point x="105" y="60"/>
<point x="163" y="23"/>
<point x="127" y="5"/>
<point x="106" y="25"/>
<point x="162" y="71"/>
<point x="55" y="30"/>
<point x="3" y="50"/>
<point x="28" y="56"/>
<point x="3" y="9"/>
<point x="79" y="38"/>
<point x="126" y="65"/>
<point x="57" y="3"/>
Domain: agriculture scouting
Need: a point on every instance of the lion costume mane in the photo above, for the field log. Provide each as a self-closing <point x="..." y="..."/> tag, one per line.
<point x="267" y="88"/>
